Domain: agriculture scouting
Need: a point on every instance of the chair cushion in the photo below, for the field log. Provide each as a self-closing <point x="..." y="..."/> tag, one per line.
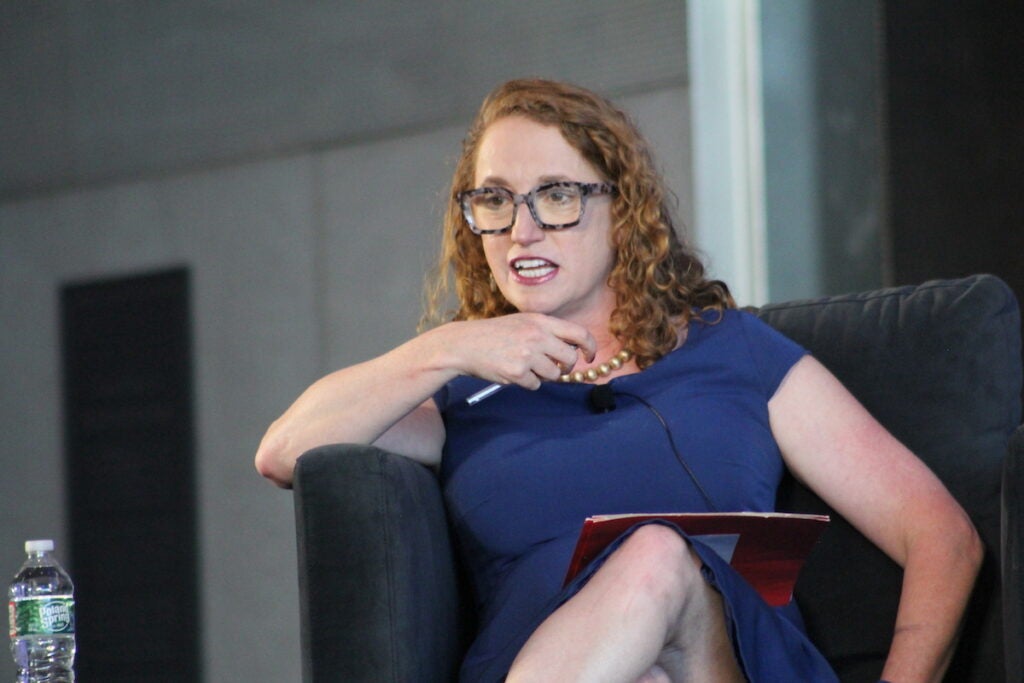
<point x="940" y="366"/>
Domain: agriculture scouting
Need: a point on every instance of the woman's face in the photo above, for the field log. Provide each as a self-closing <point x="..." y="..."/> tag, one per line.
<point x="563" y="273"/>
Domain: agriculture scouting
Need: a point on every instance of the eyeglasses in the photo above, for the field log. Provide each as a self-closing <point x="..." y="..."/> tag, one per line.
<point x="554" y="206"/>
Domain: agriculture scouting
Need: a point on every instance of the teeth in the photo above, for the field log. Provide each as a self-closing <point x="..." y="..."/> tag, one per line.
<point x="532" y="268"/>
<point x="527" y="263"/>
<point x="535" y="272"/>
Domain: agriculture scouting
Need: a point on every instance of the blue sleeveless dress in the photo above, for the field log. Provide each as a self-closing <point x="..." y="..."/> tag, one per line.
<point x="522" y="469"/>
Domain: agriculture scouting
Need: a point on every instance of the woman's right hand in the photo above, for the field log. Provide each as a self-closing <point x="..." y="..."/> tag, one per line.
<point x="388" y="400"/>
<point x="520" y="348"/>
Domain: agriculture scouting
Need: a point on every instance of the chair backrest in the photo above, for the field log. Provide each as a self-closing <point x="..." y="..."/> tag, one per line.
<point x="940" y="366"/>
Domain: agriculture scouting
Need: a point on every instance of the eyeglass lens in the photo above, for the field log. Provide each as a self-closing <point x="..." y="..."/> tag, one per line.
<point x="552" y="205"/>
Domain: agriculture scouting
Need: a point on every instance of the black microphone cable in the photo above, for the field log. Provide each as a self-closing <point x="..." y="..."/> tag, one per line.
<point x="602" y="400"/>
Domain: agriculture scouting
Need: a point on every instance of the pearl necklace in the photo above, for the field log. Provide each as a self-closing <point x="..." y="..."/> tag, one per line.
<point x="602" y="370"/>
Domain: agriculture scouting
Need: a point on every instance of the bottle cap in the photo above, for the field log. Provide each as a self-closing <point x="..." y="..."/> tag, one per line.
<point x="42" y="546"/>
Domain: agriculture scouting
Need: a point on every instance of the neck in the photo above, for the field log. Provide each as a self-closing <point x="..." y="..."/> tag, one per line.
<point x="607" y="344"/>
<point x="609" y="361"/>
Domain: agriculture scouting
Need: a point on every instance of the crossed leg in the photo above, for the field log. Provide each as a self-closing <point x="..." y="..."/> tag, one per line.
<point x="646" y="615"/>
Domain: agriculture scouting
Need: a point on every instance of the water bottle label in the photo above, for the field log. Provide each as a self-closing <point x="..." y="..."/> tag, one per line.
<point x="41" y="616"/>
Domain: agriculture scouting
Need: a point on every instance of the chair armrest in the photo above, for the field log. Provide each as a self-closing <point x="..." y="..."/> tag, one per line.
<point x="377" y="578"/>
<point x="1013" y="562"/>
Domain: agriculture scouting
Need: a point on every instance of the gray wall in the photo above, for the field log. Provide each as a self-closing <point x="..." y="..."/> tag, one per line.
<point x="294" y="157"/>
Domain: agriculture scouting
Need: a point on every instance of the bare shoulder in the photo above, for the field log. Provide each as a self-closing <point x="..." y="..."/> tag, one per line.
<point x="820" y="425"/>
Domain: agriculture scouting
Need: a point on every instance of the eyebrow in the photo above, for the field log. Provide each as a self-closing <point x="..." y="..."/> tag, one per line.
<point x="498" y="181"/>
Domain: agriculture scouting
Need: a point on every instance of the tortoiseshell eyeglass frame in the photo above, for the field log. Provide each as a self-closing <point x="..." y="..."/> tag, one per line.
<point x="586" y="189"/>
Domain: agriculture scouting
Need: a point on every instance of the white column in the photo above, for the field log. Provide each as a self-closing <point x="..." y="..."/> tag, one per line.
<point x="728" y="143"/>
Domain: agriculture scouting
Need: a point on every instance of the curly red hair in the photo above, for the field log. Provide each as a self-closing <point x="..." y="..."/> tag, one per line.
<point x="658" y="281"/>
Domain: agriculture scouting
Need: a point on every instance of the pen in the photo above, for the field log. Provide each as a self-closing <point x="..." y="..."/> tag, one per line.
<point x="484" y="393"/>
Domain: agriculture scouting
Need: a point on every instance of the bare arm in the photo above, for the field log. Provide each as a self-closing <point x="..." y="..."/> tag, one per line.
<point x="832" y="444"/>
<point x="387" y="400"/>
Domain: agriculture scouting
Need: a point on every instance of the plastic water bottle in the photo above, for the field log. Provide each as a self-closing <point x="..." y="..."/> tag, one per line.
<point x="41" y="610"/>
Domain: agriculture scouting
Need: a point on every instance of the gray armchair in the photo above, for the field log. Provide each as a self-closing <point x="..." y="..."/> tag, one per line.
<point x="938" y="364"/>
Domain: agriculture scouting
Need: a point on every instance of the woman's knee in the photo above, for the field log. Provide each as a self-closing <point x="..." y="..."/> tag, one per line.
<point x="659" y="559"/>
<point x="657" y="543"/>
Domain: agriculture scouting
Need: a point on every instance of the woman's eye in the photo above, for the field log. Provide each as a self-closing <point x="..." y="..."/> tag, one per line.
<point x="491" y="201"/>
<point x="559" y="196"/>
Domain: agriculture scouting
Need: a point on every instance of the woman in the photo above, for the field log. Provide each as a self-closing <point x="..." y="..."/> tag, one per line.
<point x="566" y="266"/>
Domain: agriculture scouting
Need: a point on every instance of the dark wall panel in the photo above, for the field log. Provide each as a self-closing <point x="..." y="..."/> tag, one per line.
<point x="955" y="101"/>
<point x="955" y="118"/>
<point x="130" y="462"/>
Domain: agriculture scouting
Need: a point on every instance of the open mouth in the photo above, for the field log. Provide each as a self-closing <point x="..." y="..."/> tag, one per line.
<point x="533" y="268"/>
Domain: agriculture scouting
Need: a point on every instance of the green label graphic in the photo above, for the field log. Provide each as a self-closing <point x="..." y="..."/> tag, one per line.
<point x="41" y="616"/>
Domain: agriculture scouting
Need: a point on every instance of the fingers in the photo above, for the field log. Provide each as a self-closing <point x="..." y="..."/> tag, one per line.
<point x="579" y="338"/>
<point x="563" y="357"/>
<point x="523" y="348"/>
<point x="528" y="366"/>
<point x="552" y="347"/>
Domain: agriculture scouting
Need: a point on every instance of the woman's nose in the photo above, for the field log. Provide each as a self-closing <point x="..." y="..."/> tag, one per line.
<point x="525" y="230"/>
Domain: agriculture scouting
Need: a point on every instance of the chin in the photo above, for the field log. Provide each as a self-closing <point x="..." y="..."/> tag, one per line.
<point x="536" y="302"/>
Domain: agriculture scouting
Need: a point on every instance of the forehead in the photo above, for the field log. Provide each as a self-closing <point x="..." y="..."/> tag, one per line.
<point x="523" y="152"/>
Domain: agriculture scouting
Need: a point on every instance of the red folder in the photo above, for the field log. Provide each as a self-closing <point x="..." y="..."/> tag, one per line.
<point x="767" y="549"/>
